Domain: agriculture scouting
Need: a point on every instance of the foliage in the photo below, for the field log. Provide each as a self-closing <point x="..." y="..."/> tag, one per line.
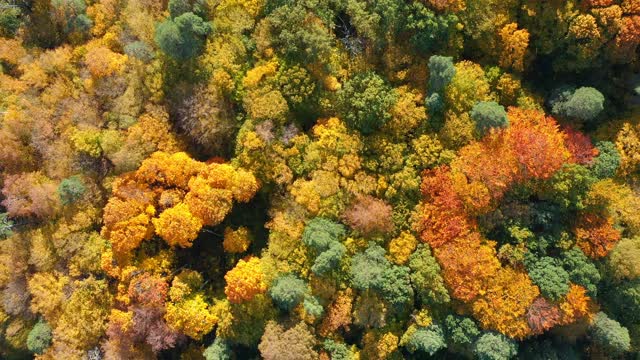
<point x="492" y="346"/>
<point x="609" y="334"/>
<point x="39" y="338"/>
<point x="365" y="102"/>
<point x="182" y="37"/>
<point x="488" y="115"/>
<point x="287" y="291"/>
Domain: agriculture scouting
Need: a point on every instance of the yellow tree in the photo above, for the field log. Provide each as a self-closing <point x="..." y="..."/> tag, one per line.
<point x="245" y="280"/>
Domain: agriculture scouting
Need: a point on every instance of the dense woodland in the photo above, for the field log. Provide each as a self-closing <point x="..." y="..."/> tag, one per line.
<point x="320" y="179"/>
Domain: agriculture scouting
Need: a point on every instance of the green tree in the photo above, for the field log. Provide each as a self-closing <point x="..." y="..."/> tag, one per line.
<point x="584" y="104"/>
<point x="488" y="115"/>
<point x="581" y="270"/>
<point x="10" y="21"/>
<point x="461" y="331"/>
<point x="429" y="31"/>
<point x="324" y="236"/>
<point x="71" y="189"/>
<point x="428" y="340"/>
<point x="610" y="335"/>
<point x="608" y="160"/>
<point x="5" y="226"/>
<point x="550" y="277"/>
<point x="494" y="346"/>
<point x="182" y="37"/>
<point x="39" y="338"/>
<point x="426" y="276"/>
<point x="287" y="291"/>
<point x="218" y="350"/>
<point x="365" y="102"/>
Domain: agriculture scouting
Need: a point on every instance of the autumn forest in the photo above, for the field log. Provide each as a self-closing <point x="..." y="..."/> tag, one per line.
<point x="319" y="179"/>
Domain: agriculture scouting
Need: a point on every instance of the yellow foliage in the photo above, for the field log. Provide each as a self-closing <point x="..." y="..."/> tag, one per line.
<point x="177" y="226"/>
<point x="628" y="144"/>
<point x="504" y="305"/>
<point x="245" y="281"/>
<point x="258" y="73"/>
<point x="169" y="170"/>
<point x="103" y="62"/>
<point x="402" y="247"/>
<point x="209" y="204"/>
<point x="236" y="241"/>
<point x="48" y="295"/>
<point x="191" y="317"/>
<point x="514" y="46"/>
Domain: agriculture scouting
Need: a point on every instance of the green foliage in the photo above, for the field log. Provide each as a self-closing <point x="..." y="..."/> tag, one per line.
<point x="581" y="269"/>
<point x="624" y="260"/>
<point x="368" y="268"/>
<point x="287" y="291"/>
<point x="320" y="233"/>
<point x="365" y="101"/>
<point x="182" y="37"/>
<point x="608" y="160"/>
<point x="71" y="190"/>
<point x="494" y="346"/>
<point x="428" y="340"/>
<point x="584" y="104"/>
<point x="295" y="36"/>
<point x="10" y="21"/>
<point x="5" y="226"/>
<point x="488" y="115"/>
<point x="430" y="31"/>
<point x="441" y="72"/>
<point x="323" y="236"/>
<point x="426" y="276"/>
<point x="39" y="338"/>
<point x="338" y="351"/>
<point x="71" y="14"/>
<point x="218" y="350"/>
<point x="312" y="306"/>
<point x="550" y="277"/>
<point x="139" y="50"/>
<point x="461" y="331"/>
<point x="568" y="187"/>
<point x="609" y="334"/>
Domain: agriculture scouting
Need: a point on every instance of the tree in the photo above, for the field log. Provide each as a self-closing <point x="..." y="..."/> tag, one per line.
<point x="542" y="315"/>
<point x="71" y="190"/>
<point x="428" y="30"/>
<point x="39" y="338"/>
<point x="550" y="277"/>
<point x="488" y="115"/>
<point x="428" y="340"/>
<point x="461" y="331"/>
<point x="492" y="346"/>
<point x="624" y="259"/>
<point x="177" y="226"/>
<point x="607" y="163"/>
<point x="287" y="291"/>
<point x="182" y="37"/>
<point x="514" y="46"/>
<point x="296" y="342"/>
<point x="584" y="104"/>
<point x="369" y="216"/>
<point x="245" y="281"/>
<point x="596" y="235"/>
<point x="609" y="334"/>
<point x="426" y="276"/>
<point x="10" y="21"/>
<point x="218" y="350"/>
<point x="365" y="102"/>
<point x="504" y="306"/>
<point x="582" y="271"/>
<point x="236" y="241"/>
<point x="5" y="226"/>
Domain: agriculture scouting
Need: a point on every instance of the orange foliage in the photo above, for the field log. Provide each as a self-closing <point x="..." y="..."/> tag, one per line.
<point x="576" y="305"/>
<point x="504" y="306"/>
<point x="467" y="265"/>
<point x="580" y="146"/>
<point x="596" y="235"/>
<point x="245" y="281"/>
<point x="177" y="226"/>
<point x="537" y="143"/>
<point x="338" y="314"/>
<point x="542" y="315"/>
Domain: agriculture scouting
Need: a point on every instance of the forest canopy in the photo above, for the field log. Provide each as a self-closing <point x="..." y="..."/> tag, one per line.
<point x="319" y="179"/>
